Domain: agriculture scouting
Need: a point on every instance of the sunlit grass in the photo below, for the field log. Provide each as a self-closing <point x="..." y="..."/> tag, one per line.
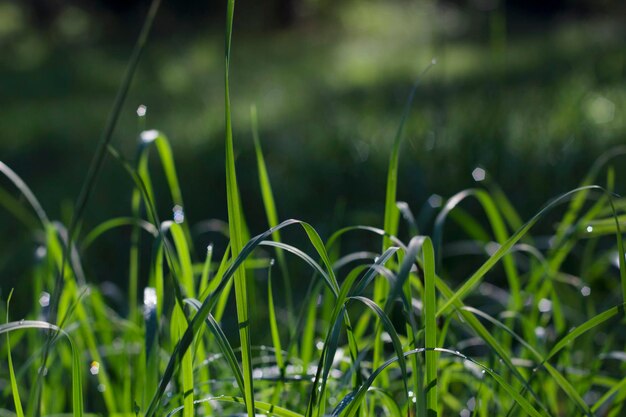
<point x="528" y="325"/>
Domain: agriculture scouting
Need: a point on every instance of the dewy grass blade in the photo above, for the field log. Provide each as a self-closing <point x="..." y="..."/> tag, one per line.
<point x="235" y="227"/>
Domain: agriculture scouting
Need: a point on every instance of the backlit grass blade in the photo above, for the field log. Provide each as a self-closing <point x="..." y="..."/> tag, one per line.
<point x="235" y="227"/>
<point x="269" y="204"/>
<point x="114" y="223"/>
<point x="430" y="327"/>
<point x="280" y="362"/>
<point x="17" y="402"/>
<point x="392" y="214"/>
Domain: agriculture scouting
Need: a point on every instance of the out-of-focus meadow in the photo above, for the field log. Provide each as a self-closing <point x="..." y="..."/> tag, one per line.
<point x="530" y="92"/>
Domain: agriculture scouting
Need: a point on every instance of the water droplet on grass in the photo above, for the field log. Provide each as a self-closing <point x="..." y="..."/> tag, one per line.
<point x="179" y="214"/>
<point x="94" y="368"/>
<point x="585" y="291"/>
<point x="44" y="299"/>
<point x="41" y="252"/>
<point x="435" y="200"/>
<point x="141" y="110"/>
<point x="149" y="297"/>
<point x="545" y="305"/>
<point x="478" y="174"/>
<point x="148" y="136"/>
<point x="589" y="229"/>
<point x="101" y="388"/>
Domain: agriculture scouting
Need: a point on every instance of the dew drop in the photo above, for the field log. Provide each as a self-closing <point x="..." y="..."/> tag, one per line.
<point x="101" y="388"/>
<point x="435" y="200"/>
<point x="434" y="61"/>
<point x="272" y="262"/>
<point x="585" y="291"/>
<point x="141" y="110"/>
<point x="179" y="214"/>
<point x="94" y="368"/>
<point x="44" y="299"/>
<point x="545" y="305"/>
<point x="148" y="136"/>
<point x="41" y="252"/>
<point x="478" y="174"/>
<point x="589" y="229"/>
<point x="149" y="297"/>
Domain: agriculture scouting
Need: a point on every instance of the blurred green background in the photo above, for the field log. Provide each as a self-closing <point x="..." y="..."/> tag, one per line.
<point x="532" y="92"/>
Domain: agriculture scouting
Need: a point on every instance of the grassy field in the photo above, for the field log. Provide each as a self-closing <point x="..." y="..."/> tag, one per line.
<point x="463" y="305"/>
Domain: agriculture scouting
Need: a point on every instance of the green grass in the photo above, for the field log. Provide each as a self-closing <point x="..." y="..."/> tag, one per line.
<point x="493" y="319"/>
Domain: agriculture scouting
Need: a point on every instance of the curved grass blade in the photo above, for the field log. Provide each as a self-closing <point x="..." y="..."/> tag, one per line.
<point x="266" y="408"/>
<point x="26" y="192"/>
<point x="111" y="224"/>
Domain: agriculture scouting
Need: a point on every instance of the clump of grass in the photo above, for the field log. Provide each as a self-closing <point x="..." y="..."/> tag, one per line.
<point x="398" y="332"/>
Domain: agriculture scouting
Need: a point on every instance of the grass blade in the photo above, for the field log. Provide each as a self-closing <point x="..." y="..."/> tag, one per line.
<point x="14" y="390"/>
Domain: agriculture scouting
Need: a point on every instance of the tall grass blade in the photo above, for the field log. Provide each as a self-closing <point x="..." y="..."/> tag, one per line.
<point x="270" y="210"/>
<point x="14" y="389"/>
<point x="235" y="227"/>
<point x="430" y="327"/>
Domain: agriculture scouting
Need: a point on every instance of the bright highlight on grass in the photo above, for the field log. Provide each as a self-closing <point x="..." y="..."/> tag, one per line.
<point x="492" y="320"/>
